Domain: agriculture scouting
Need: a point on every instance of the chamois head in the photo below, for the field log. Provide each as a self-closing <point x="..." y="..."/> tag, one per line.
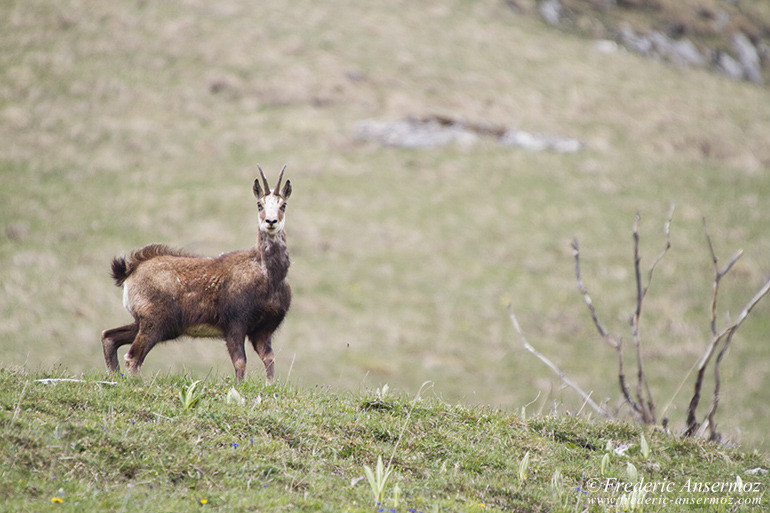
<point x="271" y="204"/>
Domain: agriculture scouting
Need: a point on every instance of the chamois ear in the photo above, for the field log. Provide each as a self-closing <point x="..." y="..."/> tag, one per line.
<point x="286" y="190"/>
<point x="257" y="188"/>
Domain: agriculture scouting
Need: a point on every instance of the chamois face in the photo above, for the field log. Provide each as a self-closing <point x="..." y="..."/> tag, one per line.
<point x="271" y="205"/>
<point x="271" y="213"/>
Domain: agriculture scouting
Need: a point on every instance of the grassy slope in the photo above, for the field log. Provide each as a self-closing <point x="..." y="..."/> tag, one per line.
<point x="126" y="123"/>
<point x="131" y="447"/>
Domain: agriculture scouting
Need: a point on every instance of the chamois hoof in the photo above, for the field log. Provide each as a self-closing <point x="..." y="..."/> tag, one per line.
<point x="132" y="367"/>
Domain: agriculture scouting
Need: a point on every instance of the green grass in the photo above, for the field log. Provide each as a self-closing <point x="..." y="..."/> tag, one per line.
<point x="126" y="123"/>
<point x="132" y="446"/>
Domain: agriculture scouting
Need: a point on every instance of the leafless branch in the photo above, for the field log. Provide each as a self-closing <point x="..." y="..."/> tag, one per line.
<point x="635" y="320"/>
<point x="717" y="337"/>
<point x="617" y="344"/>
<point x="718" y="274"/>
<point x="606" y="336"/>
<point x="642" y="387"/>
<point x="667" y="232"/>
<point x="730" y="332"/>
<point x="586" y="397"/>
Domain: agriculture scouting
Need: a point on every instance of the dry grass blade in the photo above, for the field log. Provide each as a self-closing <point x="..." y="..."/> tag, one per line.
<point x="587" y="298"/>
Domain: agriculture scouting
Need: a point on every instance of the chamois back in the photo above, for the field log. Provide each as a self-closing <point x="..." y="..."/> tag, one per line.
<point x="122" y="267"/>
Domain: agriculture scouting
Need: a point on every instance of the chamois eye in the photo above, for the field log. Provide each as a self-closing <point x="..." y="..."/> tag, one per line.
<point x="283" y="207"/>
<point x="259" y="206"/>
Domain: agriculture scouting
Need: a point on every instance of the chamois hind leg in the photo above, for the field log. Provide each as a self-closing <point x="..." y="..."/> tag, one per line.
<point x="262" y="343"/>
<point x="113" y="339"/>
<point x="147" y="337"/>
<point x="234" y="341"/>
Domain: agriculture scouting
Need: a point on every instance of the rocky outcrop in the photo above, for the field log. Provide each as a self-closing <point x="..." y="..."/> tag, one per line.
<point x="435" y="131"/>
<point x="733" y="53"/>
<point x="748" y="57"/>
<point x="683" y="52"/>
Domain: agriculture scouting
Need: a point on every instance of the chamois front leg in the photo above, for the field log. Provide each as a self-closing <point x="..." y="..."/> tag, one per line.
<point x="235" y="340"/>
<point x="147" y="337"/>
<point x="263" y="346"/>
<point x="113" y="339"/>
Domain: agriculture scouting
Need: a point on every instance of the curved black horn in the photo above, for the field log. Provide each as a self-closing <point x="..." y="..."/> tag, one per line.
<point x="278" y="185"/>
<point x="264" y="180"/>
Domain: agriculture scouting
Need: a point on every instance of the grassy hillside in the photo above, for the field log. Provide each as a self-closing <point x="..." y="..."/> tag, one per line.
<point x="125" y="123"/>
<point x="131" y="446"/>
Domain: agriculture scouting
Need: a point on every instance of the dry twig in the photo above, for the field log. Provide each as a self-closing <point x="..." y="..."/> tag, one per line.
<point x="725" y="336"/>
<point x="617" y="344"/>
<point x="563" y="377"/>
<point x="643" y="405"/>
<point x="642" y="387"/>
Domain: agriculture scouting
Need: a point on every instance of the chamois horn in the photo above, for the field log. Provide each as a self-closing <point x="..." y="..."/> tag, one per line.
<point x="264" y="180"/>
<point x="278" y="185"/>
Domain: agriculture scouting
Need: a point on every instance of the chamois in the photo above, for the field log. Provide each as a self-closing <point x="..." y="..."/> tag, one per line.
<point x="241" y="294"/>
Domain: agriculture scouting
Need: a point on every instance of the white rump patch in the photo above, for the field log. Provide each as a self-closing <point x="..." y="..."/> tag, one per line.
<point x="125" y="299"/>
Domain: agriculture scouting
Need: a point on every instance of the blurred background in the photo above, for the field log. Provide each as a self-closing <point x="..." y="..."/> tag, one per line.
<point x="126" y="123"/>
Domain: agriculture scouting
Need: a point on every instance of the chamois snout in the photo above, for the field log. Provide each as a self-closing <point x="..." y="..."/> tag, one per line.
<point x="271" y="213"/>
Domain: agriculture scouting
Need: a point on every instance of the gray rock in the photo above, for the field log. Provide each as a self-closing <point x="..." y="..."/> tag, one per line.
<point x="729" y="66"/>
<point x="681" y="53"/>
<point x="540" y="142"/>
<point x="415" y="134"/>
<point x="550" y="10"/>
<point x="660" y="44"/>
<point x="685" y="52"/>
<point x="605" y="46"/>
<point x="432" y="132"/>
<point x="748" y="57"/>
<point x="633" y="41"/>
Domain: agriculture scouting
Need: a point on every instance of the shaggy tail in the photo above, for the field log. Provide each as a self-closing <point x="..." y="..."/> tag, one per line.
<point x="119" y="270"/>
<point x="122" y="267"/>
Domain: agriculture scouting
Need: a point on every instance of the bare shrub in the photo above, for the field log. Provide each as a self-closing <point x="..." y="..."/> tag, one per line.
<point x="638" y="395"/>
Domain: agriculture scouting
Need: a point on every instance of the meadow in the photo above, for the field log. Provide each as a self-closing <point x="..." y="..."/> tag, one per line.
<point x="126" y="123"/>
<point x="174" y="443"/>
